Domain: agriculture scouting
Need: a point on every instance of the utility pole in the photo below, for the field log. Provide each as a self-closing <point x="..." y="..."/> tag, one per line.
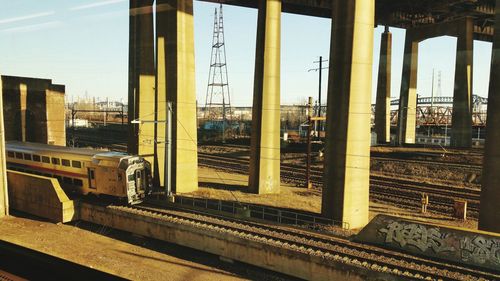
<point x="168" y="153"/>
<point x="432" y="90"/>
<point x="308" y="160"/>
<point x="320" y="70"/>
<point x="168" y="148"/>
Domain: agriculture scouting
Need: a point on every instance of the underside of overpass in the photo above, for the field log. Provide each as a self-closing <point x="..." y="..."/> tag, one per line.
<point x="400" y="13"/>
<point x="346" y="180"/>
<point x="347" y="145"/>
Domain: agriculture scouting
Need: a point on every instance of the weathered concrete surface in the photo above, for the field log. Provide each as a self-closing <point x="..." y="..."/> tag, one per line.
<point x="489" y="215"/>
<point x="347" y="148"/>
<point x="142" y="93"/>
<point x="55" y="115"/>
<point x="141" y="63"/>
<point x="383" y="103"/>
<point x="40" y="196"/>
<point x="161" y="106"/>
<point x="4" y="199"/>
<point x="23" y="93"/>
<point x="408" y="96"/>
<point x="265" y="140"/>
<point x="461" y="28"/>
<point x="146" y="134"/>
<point x="476" y="248"/>
<point x="230" y="245"/>
<point x="34" y="110"/>
<point x="461" y="121"/>
<point x="176" y="31"/>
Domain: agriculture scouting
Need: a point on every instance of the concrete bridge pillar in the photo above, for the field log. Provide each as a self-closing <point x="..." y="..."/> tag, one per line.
<point x="141" y="77"/>
<point x="489" y="215"/>
<point x="347" y="155"/>
<point x="461" y="133"/>
<point x="4" y="202"/>
<point x="408" y="96"/>
<point x="23" y="94"/>
<point x="265" y="141"/>
<point x="176" y="83"/>
<point x="383" y="102"/>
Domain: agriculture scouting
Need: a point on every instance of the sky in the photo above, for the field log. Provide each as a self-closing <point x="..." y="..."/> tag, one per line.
<point x="83" y="44"/>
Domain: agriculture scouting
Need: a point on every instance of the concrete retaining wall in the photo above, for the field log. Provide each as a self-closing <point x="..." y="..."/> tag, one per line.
<point x="40" y="196"/>
<point x="229" y="245"/>
<point x="461" y="246"/>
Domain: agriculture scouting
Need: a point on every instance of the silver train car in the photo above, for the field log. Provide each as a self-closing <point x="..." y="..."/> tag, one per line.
<point x="84" y="171"/>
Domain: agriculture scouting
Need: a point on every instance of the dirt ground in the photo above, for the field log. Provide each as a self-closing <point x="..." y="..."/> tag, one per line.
<point x="122" y="254"/>
<point x="230" y="186"/>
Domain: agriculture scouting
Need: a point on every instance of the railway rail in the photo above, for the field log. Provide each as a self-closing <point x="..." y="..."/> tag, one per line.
<point x="400" y="192"/>
<point x="465" y="167"/>
<point x="318" y="244"/>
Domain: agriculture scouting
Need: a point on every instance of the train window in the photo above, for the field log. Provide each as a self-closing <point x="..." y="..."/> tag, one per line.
<point x="77" y="182"/>
<point x="67" y="180"/>
<point x="65" y="162"/>
<point x="19" y="155"/>
<point x="76" y="164"/>
<point x="45" y="159"/>
<point x="10" y="154"/>
<point x="36" y="158"/>
<point x="131" y="178"/>
<point x="27" y="156"/>
<point x="92" y="174"/>
<point x="55" y="161"/>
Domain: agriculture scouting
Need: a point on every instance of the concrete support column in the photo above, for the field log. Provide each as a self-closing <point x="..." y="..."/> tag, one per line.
<point x="408" y="97"/>
<point x="265" y="142"/>
<point x="141" y="76"/>
<point x="461" y="127"/>
<point x="176" y="83"/>
<point x="489" y="215"/>
<point x="4" y="201"/>
<point x="383" y="103"/>
<point x="347" y="147"/>
<point x="23" y="94"/>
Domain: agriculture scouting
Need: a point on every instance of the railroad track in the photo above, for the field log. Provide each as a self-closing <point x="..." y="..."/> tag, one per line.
<point x="317" y="244"/>
<point x="478" y="169"/>
<point x="400" y="192"/>
<point x="466" y="167"/>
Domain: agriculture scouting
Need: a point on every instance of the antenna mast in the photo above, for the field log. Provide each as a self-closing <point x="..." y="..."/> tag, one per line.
<point x="218" y="100"/>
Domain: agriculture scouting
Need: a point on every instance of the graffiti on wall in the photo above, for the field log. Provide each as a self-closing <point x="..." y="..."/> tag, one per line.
<point x="416" y="235"/>
<point x="476" y="249"/>
<point x="480" y="250"/>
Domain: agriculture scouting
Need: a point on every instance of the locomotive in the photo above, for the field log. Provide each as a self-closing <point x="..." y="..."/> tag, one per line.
<point x="84" y="171"/>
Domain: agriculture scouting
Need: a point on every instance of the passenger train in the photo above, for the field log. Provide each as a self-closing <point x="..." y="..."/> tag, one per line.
<point x="84" y="171"/>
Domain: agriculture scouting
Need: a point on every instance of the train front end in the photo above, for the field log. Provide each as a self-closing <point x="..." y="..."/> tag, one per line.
<point x="137" y="178"/>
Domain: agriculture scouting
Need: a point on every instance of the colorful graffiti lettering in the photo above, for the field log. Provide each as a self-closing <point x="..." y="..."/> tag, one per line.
<point x="416" y="235"/>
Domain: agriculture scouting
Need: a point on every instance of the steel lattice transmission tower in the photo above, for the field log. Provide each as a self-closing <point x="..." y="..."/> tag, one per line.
<point x="218" y="101"/>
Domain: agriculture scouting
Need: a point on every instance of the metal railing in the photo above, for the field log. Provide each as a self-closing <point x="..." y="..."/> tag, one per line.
<point x="259" y="212"/>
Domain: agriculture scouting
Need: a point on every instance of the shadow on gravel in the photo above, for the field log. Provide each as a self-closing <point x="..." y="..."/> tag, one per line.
<point x="223" y="186"/>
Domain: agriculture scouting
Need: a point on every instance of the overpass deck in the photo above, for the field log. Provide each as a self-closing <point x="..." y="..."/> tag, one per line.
<point x="401" y="13"/>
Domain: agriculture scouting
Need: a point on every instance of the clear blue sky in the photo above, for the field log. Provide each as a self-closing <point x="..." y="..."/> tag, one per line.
<point x="84" y="45"/>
